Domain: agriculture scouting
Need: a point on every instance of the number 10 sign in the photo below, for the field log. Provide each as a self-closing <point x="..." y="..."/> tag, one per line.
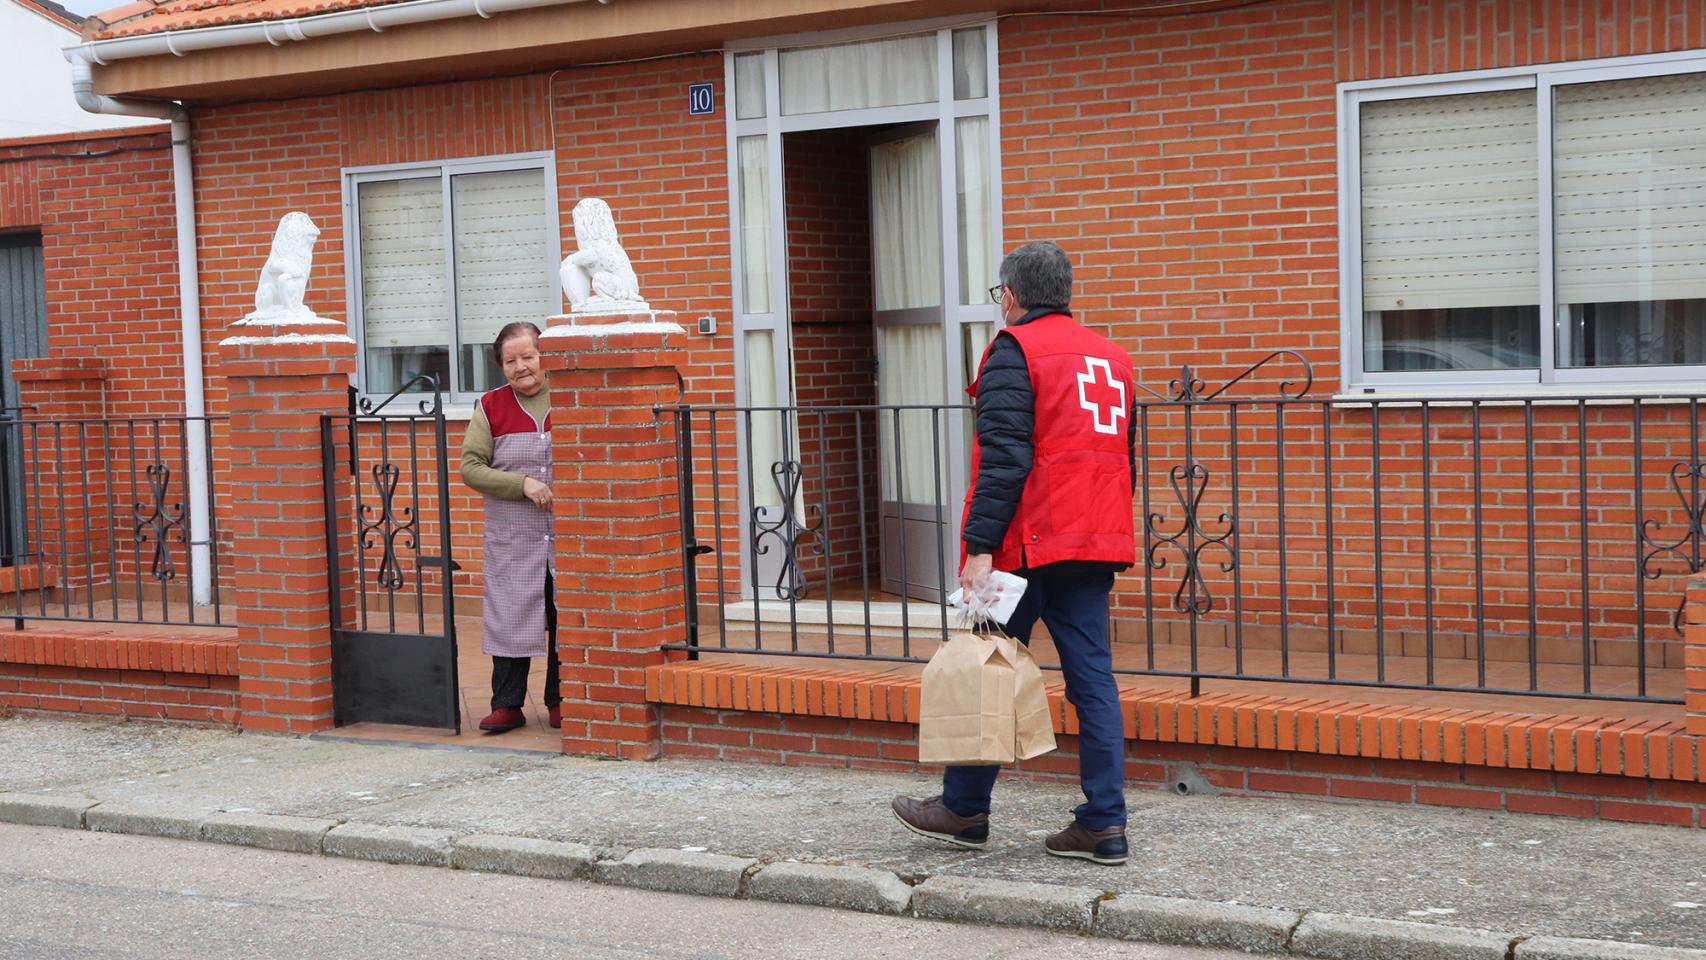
<point x="701" y="99"/>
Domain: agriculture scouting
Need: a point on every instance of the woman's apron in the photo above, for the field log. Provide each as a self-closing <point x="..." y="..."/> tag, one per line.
<point x="518" y="546"/>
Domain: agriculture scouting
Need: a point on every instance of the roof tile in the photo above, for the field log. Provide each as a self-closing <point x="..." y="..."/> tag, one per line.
<point x="143" y="17"/>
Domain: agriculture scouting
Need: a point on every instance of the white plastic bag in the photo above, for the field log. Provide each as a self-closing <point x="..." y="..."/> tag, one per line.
<point x="993" y="600"/>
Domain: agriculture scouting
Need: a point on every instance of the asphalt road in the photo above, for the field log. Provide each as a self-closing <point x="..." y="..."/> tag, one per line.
<point x="68" y="895"/>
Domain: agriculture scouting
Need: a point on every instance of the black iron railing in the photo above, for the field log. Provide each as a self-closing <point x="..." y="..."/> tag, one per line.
<point x="1531" y="546"/>
<point x="101" y="523"/>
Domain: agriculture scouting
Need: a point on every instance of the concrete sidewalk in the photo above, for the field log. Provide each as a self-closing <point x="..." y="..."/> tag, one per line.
<point x="1320" y="870"/>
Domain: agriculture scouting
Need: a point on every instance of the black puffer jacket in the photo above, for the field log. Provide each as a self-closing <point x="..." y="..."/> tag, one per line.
<point x="1006" y="416"/>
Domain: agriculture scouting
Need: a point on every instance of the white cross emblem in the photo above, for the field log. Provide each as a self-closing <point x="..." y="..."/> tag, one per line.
<point x="1097" y="395"/>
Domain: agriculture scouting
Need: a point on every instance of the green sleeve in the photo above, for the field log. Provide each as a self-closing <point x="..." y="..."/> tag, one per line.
<point x="477" y="470"/>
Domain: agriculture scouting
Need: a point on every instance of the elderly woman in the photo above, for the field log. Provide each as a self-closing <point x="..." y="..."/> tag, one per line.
<point x="506" y="455"/>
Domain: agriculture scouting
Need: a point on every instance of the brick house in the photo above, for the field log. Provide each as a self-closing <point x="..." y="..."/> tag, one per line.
<point x="1453" y="478"/>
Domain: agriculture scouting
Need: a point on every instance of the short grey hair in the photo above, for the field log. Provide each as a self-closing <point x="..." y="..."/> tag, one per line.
<point x="1039" y="274"/>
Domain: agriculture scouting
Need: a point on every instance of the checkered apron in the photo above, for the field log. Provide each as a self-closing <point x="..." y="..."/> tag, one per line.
<point x="518" y="552"/>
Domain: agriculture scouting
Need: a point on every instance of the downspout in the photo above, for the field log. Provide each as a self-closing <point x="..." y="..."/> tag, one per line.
<point x="189" y="301"/>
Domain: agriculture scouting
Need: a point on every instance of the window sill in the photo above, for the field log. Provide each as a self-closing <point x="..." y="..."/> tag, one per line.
<point x="1558" y="393"/>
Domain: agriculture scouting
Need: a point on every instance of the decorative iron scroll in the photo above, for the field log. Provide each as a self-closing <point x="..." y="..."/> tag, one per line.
<point x="389" y="524"/>
<point x="1190" y="482"/>
<point x="431" y="405"/>
<point x="160" y="520"/>
<point x="1187" y="387"/>
<point x="787" y="530"/>
<point x="1657" y="552"/>
<point x="1193" y="595"/>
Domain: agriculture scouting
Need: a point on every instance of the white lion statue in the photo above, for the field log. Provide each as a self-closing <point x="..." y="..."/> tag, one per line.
<point x="284" y="277"/>
<point x="599" y="278"/>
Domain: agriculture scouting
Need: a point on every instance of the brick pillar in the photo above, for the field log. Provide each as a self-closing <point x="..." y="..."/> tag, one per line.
<point x="278" y="388"/>
<point x="1694" y="654"/>
<point x="68" y="522"/>
<point x="618" y="537"/>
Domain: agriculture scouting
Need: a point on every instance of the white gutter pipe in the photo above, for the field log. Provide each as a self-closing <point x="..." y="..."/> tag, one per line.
<point x="189" y="302"/>
<point x="280" y="32"/>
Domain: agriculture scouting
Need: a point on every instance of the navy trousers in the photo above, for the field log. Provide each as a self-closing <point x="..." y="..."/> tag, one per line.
<point x="1074" y="604"/>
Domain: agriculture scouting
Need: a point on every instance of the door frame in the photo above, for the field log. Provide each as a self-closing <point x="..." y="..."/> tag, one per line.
<point x="945" y="111"/>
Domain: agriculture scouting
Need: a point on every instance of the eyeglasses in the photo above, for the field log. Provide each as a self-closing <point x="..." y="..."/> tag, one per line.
<point x="995" y="292"/>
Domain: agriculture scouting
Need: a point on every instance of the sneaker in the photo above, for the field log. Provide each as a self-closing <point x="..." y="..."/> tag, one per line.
<point x="930" y="818"/>
<point x="503" y="719"/>
<point x="1106" y="846"/>
<point x="554" y="716"/>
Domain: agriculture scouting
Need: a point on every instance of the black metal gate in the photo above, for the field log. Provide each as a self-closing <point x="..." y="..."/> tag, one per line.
<point x="388" y="547"/>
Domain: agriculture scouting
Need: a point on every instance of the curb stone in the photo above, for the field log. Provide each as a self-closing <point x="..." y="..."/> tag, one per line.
<point x="1196" y="923"/>
<point x="412" y="845"/>
<point x="1007" y="902"/>
<point x="268" y="831"/>
<point x="1565" y="948"/>
<point x="1155" y="919"/>
<point x="42" y="810"/>
<point x="821" y="885"/>
<point x="523" y="856"/>
<point x="146" y="820"/>
<point x="1334" y="936"/>
<point x="676" y="871"/>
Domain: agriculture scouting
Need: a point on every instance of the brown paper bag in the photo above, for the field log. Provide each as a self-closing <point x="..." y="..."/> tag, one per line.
<point x="966" y="713"/>
<point x="1033" y="728"/>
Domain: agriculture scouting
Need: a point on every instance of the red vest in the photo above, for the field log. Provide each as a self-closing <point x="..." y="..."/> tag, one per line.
<point x="505" y="414"/>
<point x="1076" y="503"/>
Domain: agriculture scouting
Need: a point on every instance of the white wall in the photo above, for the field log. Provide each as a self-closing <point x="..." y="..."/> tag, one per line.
<point x="35" y="79"/>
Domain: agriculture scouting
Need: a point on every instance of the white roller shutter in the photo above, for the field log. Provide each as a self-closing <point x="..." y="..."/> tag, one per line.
<point x="503" y="251"/>
<point x="1450" y="202"/>
<point x="1630" y="181"/>
<point x="403" y="283"/>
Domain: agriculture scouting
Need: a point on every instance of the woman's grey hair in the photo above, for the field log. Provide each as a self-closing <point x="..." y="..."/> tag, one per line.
<point x="519" y="328"/>
<point x="1039" y="274"/>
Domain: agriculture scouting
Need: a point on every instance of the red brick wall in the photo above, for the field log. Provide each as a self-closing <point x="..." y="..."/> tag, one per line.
<point x="620" y="135"/>
<point x="134" y="694"/>
<point x="791" y="740"/>
<point x="1187" y="162"/>
<point x="103" y="205"/>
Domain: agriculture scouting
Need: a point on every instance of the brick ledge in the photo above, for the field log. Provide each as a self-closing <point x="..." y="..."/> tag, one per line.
<point x="1650" y="749"/>
<point x="209" y="656"/>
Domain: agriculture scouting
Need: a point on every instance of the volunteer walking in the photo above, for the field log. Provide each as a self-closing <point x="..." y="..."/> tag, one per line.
<point x="1050" y="500"/>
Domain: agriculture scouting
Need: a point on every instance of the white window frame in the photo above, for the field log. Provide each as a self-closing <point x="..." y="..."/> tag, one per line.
<point x="1548" y="379"/>
<point x="545" y="161"/>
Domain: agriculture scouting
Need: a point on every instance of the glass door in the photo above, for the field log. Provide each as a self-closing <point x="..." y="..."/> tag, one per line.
<point x="906" y="267"/>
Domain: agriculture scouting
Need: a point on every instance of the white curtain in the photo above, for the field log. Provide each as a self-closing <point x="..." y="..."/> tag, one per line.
<point x="1629" y="175"/>
<point x="754" y="161"/>
<point x="1450" y="202"/>
<point x="905" y="205"/>
<point x="905" y="198"/>
<point x="765" y="438"/>
<point x="971" y="160"/>
<point x="504" y="265"/>
<point x="853" y="76"/>
<point x="910" y="374"/>
<point x="749" y="86"/>
<point x="971" y="64"/>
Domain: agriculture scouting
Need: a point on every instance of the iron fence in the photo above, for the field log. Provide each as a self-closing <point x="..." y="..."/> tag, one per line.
<point x="1534" y="547"/>
<point x="100" y="524"/>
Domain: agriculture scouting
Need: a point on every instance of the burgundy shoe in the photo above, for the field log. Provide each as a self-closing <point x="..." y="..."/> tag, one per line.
<point x="1106" y="846"/>
<point x="503" y="719"/>
<point x="554" y="716"/>
<point x="931" y="818"/>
